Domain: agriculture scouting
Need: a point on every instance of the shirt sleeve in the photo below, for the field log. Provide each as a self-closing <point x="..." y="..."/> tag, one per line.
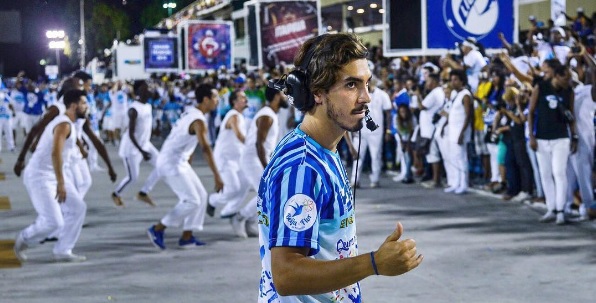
<point x="295" y="203"/>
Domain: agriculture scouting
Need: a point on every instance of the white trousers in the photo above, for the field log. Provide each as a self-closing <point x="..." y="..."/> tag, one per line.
<point x="189" y="213"/>
<point x="81" y="175"/>
<point x="535" y="170"/>
<point x="30" y="120"/>
<point x="450" y="170"/>
<point x="372" y="142"/>
<point x="458" y="155"/>
<point x="553" y="156"/>
<point x="493" y="151"/>
<point x="6" y="128"/>
<point x="93" y="154"/>
<point x="132" y="164"/>
<point x="251" y="174"/>
<point x="234" y="187"/>
<point x="65" y="220"/>
<point x="579" y="174"/>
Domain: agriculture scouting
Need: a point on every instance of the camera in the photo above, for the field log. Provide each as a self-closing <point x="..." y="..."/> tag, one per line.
<point x="567" y="114"/>
<point x="500" y="105"/>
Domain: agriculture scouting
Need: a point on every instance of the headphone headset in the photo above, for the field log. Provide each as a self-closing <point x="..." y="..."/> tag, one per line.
<point x="295" y="84"/>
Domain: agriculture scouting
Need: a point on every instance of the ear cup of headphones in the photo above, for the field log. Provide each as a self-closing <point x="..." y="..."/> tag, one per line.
<point x="297" y="90"/>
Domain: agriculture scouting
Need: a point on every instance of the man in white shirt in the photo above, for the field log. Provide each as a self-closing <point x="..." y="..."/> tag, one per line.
<point x="136" y="146"/>
<point x="473" y="63"/>
<point x="119" y="107"/>
<point x="430" y="106"/>
<point x="228" y="150"/>
<point x="460" y="130"/>
<point x="174" y="167"/>
<point x="261" y="138"/>
<point x="51" y="185"/>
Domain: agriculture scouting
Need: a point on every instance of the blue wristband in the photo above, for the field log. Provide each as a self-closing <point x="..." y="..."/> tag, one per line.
<point x="372" y="260"/>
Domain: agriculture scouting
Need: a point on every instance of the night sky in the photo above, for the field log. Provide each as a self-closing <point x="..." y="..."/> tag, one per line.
<point x="38" y="16"/>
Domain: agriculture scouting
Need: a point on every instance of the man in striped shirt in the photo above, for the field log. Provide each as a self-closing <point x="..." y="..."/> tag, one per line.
<point x="307" y="226"/>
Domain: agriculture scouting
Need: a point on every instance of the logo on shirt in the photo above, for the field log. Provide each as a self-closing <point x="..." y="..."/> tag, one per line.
<point x="300" y="212"/>
<point x="553" y="101"/>
<point x="470" y="18"/>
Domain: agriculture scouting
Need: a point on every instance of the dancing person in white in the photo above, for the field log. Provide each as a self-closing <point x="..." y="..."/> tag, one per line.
<point x="52" y="112"/>
<point x="136" y="146"/>
<point x="174" y="167"/>
<point x="51" y="187"/>
<point x="260" y="141"/>
<point x="118" y="107"/>
<point x="6" y="114"/>
<point x="379" y="107"/>
<point x="227" y="152"/>
<point x="460" y="130"/>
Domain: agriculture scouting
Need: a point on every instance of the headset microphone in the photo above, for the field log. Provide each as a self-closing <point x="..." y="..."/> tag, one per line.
<point x="370" y="124"/>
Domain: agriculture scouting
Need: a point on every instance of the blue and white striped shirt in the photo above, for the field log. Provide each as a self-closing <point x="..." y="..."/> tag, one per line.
<point x="305" y="200"/>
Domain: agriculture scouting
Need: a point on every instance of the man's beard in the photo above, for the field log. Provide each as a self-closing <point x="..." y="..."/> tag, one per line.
<point x="332" y="114"/>
<point x="81" y="114"/>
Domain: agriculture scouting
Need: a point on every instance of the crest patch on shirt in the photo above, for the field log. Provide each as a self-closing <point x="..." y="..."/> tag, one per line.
<point x="300" y="212"/>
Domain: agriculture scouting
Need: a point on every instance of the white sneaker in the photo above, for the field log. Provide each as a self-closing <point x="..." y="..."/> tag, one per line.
<point x="398" y="178"/>
<point x="450" y="189"/>
<point x="374" y="184"/>
<point x="252" y="228"/>
<point x="239" y="226"/>
<point x="560" y="218"/>
<point x="19" y="247"/>
<point x="70" y="257"/>
<point x="521" y="197"/>
<point x="97" y="168"/>
<point x="548" y="217"/>
<point x="460" y="191"/>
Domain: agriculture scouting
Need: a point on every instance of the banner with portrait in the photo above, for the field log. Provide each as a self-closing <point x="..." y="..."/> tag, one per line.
<point x="209" y="45"/>
<point x="284" y="26"/>
<point x="430" y="27"/>
<point x="161" y="54"/>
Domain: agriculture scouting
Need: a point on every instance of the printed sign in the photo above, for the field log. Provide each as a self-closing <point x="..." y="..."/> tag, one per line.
<point x="445" y="22"/>
<point x="285" y="25"/>
<point x="209" y="45"/>
<point x="161" y="53"/>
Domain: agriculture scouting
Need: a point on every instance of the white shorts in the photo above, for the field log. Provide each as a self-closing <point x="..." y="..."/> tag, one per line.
<point x="108" y="124"/>
<point x="119" y="121"/>
<point x="30" y="120"/>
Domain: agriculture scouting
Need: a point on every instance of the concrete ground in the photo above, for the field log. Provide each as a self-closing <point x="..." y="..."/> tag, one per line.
<point x="476" y="248"/>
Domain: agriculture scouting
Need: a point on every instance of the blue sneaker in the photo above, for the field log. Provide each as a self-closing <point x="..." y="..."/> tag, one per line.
<point x="191" y="243"/>
<point x="156" y="237"/>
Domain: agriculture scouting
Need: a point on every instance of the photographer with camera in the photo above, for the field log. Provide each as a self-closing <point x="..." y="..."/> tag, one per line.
<point x="517" y="163"/>
<point x="554" y="135"/>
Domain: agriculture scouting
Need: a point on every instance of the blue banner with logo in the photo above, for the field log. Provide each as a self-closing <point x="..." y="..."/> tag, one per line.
<point x="451" y="21"/>
<point x="161" y="53"/>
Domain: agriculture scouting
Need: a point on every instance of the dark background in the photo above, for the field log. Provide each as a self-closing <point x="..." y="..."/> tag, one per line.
<point x="127" y="18"/>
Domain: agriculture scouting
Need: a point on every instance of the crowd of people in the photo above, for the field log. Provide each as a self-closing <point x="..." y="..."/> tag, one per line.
<point x="519" y="123"/>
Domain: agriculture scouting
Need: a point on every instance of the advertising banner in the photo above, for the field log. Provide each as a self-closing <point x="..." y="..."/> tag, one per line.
<point x="285" y="25"/>
<point x="209" y="45"/>
<point x="452" y="21"/>
<point x="161" y="54"/>
<point x="430" y="27"/>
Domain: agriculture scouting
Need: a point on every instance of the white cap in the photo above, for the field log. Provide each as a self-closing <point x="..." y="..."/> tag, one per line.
<point x="559" y="30"/>
<point x="580" y="9"/>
